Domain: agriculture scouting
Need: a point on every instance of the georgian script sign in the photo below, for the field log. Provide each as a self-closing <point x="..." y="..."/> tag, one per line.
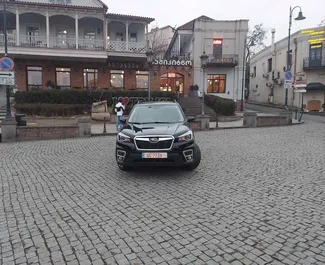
<point x="172" y="62"/>
<point x="135" y="100"/>
<point x="124" y="65"/>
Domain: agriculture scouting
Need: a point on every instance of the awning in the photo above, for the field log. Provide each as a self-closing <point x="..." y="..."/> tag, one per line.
<point x="315" y="86"/>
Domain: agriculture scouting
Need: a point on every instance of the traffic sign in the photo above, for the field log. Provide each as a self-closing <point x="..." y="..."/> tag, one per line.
<point x="288" y="75"/>
<point x="6" y="64"/>
<point x="7" y="78"/>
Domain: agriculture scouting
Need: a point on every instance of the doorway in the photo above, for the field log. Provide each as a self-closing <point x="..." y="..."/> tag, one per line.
<point x="172" y="82"/>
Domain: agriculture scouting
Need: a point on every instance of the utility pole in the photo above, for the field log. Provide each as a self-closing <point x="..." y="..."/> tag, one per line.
<point x="8" y="109"/>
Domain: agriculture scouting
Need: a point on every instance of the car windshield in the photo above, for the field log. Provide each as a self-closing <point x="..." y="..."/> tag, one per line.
<point x="156" y="114"/>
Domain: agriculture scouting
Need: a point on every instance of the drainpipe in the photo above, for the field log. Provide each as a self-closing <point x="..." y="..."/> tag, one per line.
<point x="273" y="64"/>
<point x="294" y="68"/>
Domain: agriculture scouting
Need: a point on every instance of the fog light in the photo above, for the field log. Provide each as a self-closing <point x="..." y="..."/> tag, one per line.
<point x="188" y="155"/>
<point x="121" y="155"/>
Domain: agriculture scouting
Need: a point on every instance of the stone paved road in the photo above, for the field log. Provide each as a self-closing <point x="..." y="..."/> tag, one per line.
<point x="257" y="198"/>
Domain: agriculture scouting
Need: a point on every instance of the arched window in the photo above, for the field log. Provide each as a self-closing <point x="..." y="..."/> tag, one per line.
<point x="172" y="82"/>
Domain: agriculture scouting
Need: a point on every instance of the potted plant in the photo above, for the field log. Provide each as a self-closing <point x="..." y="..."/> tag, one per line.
<point x="194" y="90"/>
<point x="50" y="84"/>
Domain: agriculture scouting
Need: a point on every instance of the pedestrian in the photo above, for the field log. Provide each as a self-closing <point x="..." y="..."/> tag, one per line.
<point x="119" y="109"/>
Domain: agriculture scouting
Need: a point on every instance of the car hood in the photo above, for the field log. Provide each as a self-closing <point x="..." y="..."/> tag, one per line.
<point x="174" y="129"/>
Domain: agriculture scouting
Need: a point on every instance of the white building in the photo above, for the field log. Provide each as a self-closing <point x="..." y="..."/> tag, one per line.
<point x="308" y="71"/>
<point x="159" y="39"/>
<point x="223" y="42"/>
<point x="75" y="44"/>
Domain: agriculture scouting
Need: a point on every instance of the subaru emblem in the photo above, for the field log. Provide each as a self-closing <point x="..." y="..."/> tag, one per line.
<point x="153" y="140"/>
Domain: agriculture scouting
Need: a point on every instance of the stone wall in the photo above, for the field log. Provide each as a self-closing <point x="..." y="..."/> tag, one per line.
<point x="28" y="133"/>
<point x="252" y="119"/>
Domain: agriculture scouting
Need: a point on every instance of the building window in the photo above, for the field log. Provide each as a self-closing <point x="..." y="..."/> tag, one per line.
<point x="119" y="36"/>
<point x="142" y="78"/>
<point x="133" y="37"/>
<point x="89" y="34"/>
<point x="216" y="83"/>
<point x="34" y="77"/>
<point x="117" y="78"/>
<point x="269" y="65"/>
<point x="63" y="78"/>
<point x="254" y="71"/>
<point x="217" y="48"/>
<point x="91" y="78"/>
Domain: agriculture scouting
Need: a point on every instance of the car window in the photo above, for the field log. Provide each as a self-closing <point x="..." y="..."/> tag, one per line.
<point x="156" y="113"/>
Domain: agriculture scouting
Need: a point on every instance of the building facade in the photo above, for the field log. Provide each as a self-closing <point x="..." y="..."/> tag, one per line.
<point x="75" y="44"/>
<point x="224" y="43"/>
<point x="268" y="69"/>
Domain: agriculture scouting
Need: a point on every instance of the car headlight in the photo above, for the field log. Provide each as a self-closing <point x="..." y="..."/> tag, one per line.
<point x="186" y="137"/>
<point x="121" y="137"/>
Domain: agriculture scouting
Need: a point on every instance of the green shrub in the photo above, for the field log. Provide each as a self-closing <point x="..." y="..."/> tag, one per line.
<point x="221" y="106"/>
<point x="52" y="110"/>
<point x="80" y="96"/>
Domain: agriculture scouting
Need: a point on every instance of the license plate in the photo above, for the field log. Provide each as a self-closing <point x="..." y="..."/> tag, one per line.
<point x="154" y="155"/>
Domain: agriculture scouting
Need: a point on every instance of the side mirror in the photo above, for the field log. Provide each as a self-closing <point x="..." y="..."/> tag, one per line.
<point x="190" y="119"/>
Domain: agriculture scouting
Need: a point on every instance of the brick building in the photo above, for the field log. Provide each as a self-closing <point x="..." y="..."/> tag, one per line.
<point x="75" y="44"/>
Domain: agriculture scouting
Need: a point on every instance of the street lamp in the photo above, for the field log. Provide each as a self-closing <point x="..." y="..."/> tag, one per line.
<point x="299" y="17"/>
<point x="204" y="59"/>
<point x="8" y="111"/>
<point x="149" y="55"/>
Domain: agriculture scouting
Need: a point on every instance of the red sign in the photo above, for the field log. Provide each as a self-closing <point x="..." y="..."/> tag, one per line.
<point x="217" y="41"/>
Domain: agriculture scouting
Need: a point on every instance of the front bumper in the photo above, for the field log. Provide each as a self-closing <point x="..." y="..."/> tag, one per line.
<point x="181" y="154"/>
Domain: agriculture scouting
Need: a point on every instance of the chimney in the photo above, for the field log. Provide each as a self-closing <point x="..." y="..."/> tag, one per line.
<point x="272" y="45"/>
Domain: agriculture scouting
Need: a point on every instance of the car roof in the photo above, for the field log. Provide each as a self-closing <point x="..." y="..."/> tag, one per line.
<point x="157" y="103"/>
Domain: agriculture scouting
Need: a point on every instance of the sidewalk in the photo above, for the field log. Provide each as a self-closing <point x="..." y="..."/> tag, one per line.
<point x="97" y="128"/>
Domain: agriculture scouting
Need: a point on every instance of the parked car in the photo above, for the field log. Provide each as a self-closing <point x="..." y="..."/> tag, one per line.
<point x="157" y="134"/>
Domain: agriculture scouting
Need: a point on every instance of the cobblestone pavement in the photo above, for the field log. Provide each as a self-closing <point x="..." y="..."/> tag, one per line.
<point x="257" y="198"/>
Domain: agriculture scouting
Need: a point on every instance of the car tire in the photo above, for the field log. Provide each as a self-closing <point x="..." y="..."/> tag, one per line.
<point x="123" y="168"/>
<point x="197" y="159"/>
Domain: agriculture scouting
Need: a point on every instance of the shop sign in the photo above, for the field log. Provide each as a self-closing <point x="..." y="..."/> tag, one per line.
<point x="135" y="100"/>
<point x="124" y="65"/>
<point x="172" y="62"/>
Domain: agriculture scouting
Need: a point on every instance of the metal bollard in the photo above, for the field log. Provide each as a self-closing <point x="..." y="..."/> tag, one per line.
<point x="217" y="121"/>
<point x="104" y="130"/>
<point x="296" y="114"/>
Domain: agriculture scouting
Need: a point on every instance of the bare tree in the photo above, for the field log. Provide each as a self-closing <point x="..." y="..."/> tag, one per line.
<point x="158" y="41"/>
<point x="254" y="43"/>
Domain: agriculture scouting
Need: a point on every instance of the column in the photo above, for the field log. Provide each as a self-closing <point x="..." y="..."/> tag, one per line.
<point x="127" y="35"/>
<point x="47" y="29"/>
<point x="105" y="33"/>
<point x="179" y="44"/>
<point x="77" y="31"/>
<point x="17" y="28"/>
<point x="147" y="37"/>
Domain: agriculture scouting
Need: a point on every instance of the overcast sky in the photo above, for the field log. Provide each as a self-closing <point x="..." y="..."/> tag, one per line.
<point x="273" y="14"/>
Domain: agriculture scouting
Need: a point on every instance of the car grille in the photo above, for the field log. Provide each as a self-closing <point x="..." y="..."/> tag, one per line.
<point x="163" y="144"/>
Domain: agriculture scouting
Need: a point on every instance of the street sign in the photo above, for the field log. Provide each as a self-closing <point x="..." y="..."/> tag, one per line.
<point x="287" y="84"/>
<point x="7" y="78"/>
<point x="300" y="90"/>
<point x="288" y="75"/>
<point x="6" y="64"/>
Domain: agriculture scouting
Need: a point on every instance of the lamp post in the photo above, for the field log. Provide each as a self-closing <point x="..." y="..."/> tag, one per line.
<point x="243" y="79"/>
<point x="149" y="55"/>
<point x="8" y="109"/>
<point x="204" y="59"/>
<point x="289" y="57"/>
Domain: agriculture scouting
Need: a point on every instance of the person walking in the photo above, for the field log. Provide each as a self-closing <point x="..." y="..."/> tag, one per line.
<point x="119" y="109"/>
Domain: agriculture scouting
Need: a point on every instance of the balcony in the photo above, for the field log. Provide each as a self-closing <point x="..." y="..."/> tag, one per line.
<point x="224" y="60"/>
<point x="179" y="56"/>
<point x="123" y="46"/>
<point x="314" y="63"/>
<point x="71" y="43"/>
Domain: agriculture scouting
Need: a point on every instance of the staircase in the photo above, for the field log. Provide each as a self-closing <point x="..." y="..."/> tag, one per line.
<point x="192" y="106"/>
<point x="2" y="114"/>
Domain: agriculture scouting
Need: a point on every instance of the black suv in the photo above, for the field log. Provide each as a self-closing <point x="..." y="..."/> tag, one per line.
<point x="157" y="134"/>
